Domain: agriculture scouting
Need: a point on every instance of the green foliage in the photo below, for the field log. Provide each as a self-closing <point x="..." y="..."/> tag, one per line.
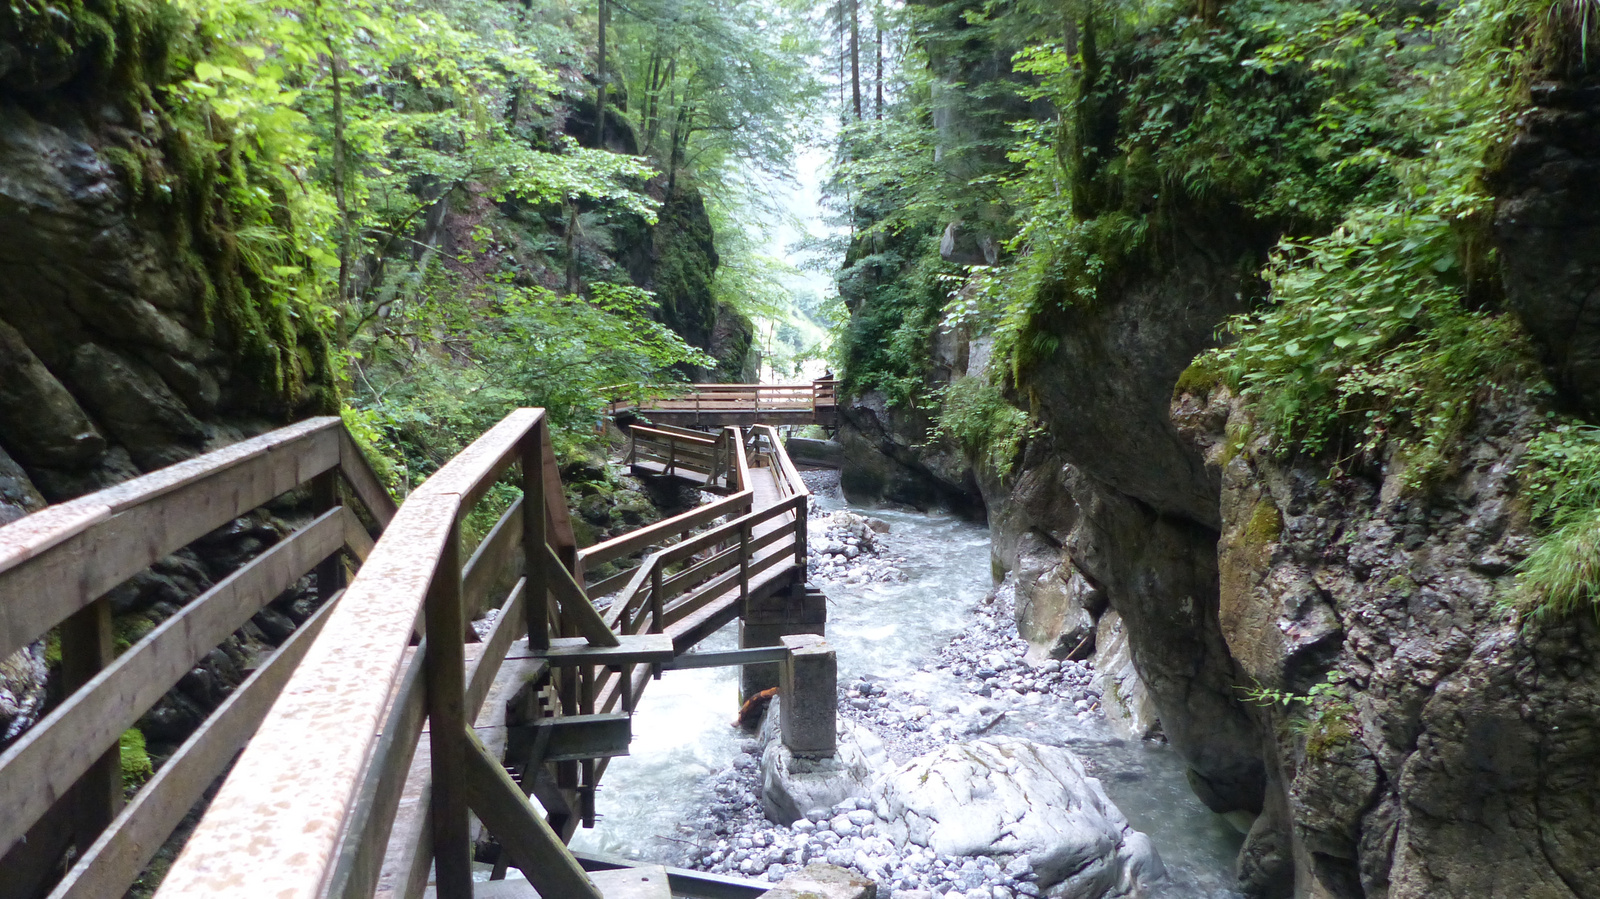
<point x="136" y="767"/>
<point x="499" y="348"/>
<point x="1367" y="333"/>
<point x="1560" y="475"/>
<point x="1321" y="716"/>
<point x="974" y="412"/>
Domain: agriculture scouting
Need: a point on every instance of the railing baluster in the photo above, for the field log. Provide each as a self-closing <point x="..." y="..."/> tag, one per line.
<point x="534" y="518"/>
<point x="447" y="718"/>
<point x="87" y="646"/>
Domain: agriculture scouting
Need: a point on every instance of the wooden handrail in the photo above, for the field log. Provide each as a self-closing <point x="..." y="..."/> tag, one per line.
<point x="56" y="567"/>
<point x="297" y="786"/>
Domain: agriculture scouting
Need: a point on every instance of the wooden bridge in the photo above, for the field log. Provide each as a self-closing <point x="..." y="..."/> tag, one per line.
<point x="383" y="737"/>
<point x="720" y="405"/>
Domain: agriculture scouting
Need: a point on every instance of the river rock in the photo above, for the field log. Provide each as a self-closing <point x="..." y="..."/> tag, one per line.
<point x="1005" y="796"/>
<point x="791" y="786"/>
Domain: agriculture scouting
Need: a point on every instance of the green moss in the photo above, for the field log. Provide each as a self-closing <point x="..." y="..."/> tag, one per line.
<point x="136" y="767"/>
<point x="1401" y="585"/>
<point x="1202" y="376"/>
<point x="130" y="629"/>
<point x="1265" y="524"/>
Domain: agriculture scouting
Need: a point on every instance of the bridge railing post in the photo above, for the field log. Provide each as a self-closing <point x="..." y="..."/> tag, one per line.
<point x="444" y="660"/>
<point x="534" y="518"/>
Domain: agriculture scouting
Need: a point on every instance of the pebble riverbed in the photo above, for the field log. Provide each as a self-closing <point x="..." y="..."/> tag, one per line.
<point x="973" y="683"/>
<point x="733" y="837"/>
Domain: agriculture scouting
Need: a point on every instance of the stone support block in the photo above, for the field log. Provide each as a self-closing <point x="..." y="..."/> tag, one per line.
<point x="809" y="686"/>
<point x="766" y="621"/>
<point x="823" y="882"/>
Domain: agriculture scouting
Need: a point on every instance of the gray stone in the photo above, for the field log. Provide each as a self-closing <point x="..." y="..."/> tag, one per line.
<point x="809" y="686"/>
<point x="1004" y="796"/>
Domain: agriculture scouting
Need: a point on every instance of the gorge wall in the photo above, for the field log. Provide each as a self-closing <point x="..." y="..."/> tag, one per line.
<point x="1454" y="758"/>
<point x="1326" y="632"/>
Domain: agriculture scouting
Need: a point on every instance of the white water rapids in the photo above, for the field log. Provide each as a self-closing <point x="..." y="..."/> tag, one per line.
<point x="682" y="734"/>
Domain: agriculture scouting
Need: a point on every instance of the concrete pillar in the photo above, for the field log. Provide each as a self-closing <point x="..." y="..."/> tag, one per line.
<point x="766" y="621"/>
<point x="810" y="691"/>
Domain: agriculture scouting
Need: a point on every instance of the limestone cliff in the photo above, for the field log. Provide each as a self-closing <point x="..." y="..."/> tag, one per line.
<point x="1409" y="736"/>
<point x="134" y="330"/>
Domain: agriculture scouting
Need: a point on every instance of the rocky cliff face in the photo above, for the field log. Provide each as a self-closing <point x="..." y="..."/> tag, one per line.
<point x="133" y="333"/>
<point x="1409" y="736"/>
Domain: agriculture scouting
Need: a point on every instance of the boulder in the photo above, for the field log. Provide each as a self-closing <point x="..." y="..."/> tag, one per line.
<point x="1005" y="796"/>
<point x="1127" y="704"/>
<point x="791" y="786"/>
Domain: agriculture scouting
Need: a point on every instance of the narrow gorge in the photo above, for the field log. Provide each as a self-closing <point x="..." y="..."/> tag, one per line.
<point x="1197" y="407"/>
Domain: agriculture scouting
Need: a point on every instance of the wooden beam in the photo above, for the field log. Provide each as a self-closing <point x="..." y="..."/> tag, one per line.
<point x="51" y="756"/>
<point x="447" y="720"/>
<point x="667" y="528"/>
<point x="630" y="649"/>
<point x="570" y="738"/>
<point x="122" y="530"/>
<point x="364" y="481"/>
<point x="523" y="833"/>
<point x="293" y="787"/>
<point x="576" y="605"/>
<point x="497" y="558"/>
<point x="114" y="861"/>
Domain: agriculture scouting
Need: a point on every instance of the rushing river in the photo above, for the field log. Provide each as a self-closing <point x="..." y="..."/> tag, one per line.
<point x="682" y="735"/>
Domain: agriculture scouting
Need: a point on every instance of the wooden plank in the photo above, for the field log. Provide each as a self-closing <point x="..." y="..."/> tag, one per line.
<point x="151" y="517"/>
<point x="364" y="481"/>
<point x="356" y="538"/>
<point x="523" y="833"/>
<point x="567" y="651"/>
<point x="51" y="756"/>
<point x="474" y="470"/>
<point x="609" y="586"/>
<point x="293" y="787"/>
<point x="33" y="534"/>
<point x="576" y="605"/>
<point x="536" y="519"/>
<point x="507" y="628"/>
<point x="670" y="437"/>
<point x="361" y="857"/>
<point x="633" y="541"/>
<point x="571" y="738"/>
<point x="95" y="782"/>
<point x="445" y="682"/>
<point x="497" y="558"/>
<point x="114" y="861"/>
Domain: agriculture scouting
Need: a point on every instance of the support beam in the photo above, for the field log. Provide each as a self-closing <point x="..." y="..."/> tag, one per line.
<point x="523" y="834"/>
<point x="571" y="738"/>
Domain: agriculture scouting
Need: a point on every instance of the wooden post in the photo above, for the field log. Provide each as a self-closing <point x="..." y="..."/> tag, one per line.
<point x="533" y="539"/>
<point x="447" y="720"/>
<point x="744" y="562"/>
<point x="87" y="646"/>
<point x="800" y="536"/>
<point x="325" y="496"/>
<point x="658" y="605"/>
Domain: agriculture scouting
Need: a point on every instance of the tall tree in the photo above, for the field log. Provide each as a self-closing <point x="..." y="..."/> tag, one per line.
<point x="855" y="56"/>
<point x="600" y="100"/>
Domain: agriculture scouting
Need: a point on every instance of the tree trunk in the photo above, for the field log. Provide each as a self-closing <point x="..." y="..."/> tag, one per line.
<point x="855" y="57"/>
<point x="878" y="80"/>
<point x="600" y="101"/>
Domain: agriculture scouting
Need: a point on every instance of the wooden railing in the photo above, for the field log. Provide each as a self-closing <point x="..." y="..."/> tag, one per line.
<point x="61" y="781"/>
<point x="816" y="398"/>
<point x="680" y="450"/>
<point x="309" y="808"/>
<point x="317" y="803"/>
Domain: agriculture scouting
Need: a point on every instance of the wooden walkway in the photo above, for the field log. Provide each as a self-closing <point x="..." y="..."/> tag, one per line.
<point x="378" y="742"/>
<point x="723" y="405"/>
